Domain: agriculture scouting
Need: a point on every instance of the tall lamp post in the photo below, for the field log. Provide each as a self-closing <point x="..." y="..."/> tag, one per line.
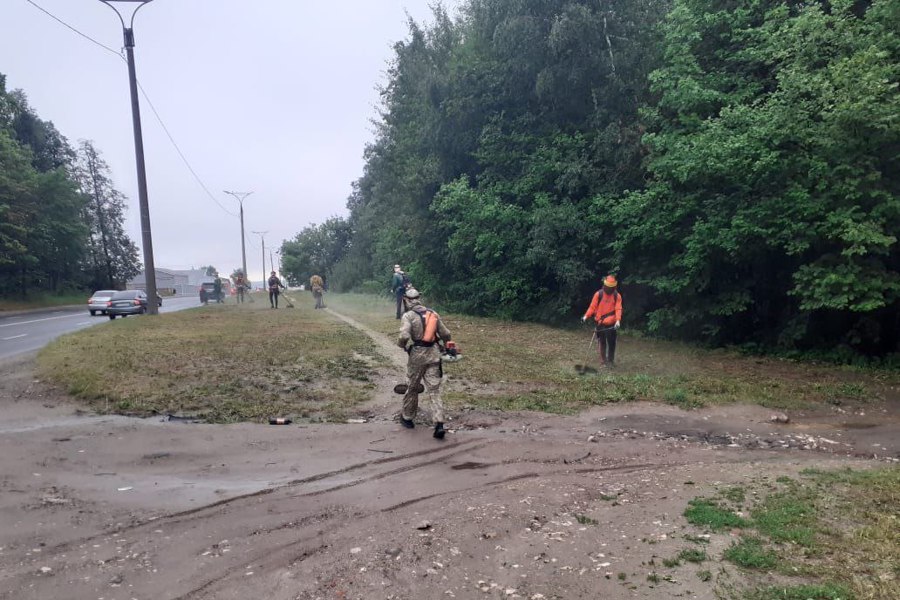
<point x="240" y="196"/>
<point x="262" y="238"/>
<point x="146" y="237"/>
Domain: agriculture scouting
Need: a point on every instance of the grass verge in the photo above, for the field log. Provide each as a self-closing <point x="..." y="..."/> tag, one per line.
<point x="830" y="535"/>
<point x="528" y="366"/>
<point x="44" y="301"/>
<point x="221" y="363"/>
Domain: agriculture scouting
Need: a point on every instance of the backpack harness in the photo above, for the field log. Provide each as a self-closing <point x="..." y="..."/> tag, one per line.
<point x="429" y="327"/>
<point x="613" y="312"/>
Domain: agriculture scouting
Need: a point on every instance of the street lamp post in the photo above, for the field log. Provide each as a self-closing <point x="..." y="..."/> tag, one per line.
<point x="146" y="237"/>
<point x="262" y="238"/>
<point x="240" y="196"/>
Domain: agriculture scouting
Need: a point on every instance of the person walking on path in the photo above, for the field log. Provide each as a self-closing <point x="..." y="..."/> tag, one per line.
<point x="275" y="287"/>
<point x="317" y="286"/>
<point x="420" y="331"/>
<point x="399" y="284"/>
<point x="606" y="309"/>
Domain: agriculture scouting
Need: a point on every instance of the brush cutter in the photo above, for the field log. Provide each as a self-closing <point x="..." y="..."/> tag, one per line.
<point x="288" y="299"/>
<point x="582" y="369"/>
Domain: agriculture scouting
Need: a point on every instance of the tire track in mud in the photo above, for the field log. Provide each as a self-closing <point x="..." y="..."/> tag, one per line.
<point x="324" y="521"/>
<point x="214" y="509"/>
<point x="531" y="475"/>
<point x="270" y="556"/>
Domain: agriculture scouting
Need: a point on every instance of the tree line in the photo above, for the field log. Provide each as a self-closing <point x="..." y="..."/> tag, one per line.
<point x="61" y="218"/>
<point x="735" y="163"/>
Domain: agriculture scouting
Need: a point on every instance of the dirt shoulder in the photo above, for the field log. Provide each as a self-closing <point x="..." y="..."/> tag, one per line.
<point x="511" y="505"/>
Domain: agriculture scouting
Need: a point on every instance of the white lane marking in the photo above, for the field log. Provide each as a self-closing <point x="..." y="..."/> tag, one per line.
<point x="15" y="336"/>
<point x="39" y="320"/>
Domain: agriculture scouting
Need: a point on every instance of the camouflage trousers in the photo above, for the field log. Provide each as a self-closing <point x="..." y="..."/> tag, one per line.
<point x="431" y="376"/>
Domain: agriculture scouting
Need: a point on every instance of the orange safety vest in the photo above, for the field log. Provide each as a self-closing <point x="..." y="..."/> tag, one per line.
<point x="605" y="308"/>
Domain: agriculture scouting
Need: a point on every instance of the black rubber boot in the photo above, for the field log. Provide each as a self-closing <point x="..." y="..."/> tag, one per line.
<point x="439" y="431"/>
<point x="407" y="423"/>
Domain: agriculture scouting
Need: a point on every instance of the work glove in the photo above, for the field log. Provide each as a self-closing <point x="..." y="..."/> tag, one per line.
<point x="617" y="324"/>
<point x="583" y="319"/>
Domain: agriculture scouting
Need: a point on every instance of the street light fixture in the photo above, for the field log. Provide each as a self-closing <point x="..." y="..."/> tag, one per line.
<point x="240" y="196"/>
<point x="146" y="237"/>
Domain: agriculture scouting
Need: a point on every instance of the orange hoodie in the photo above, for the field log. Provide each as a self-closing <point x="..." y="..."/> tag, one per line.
<point x="605" y="308"/>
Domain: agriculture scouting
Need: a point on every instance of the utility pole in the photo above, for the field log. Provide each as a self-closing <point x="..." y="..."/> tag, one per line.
<point x="146" y="237"/>
<point x="240" y="196"/>
<point x="262" y="238"/>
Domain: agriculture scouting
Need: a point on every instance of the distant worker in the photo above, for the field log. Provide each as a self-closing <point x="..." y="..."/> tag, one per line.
<point x="217" y="290"/>
<point x="606" y="308"/>
<point x="317" y="286"/>
<point x="399" y="284"/>
<point x="421" y="331"/>
<point x="239" y="287"/>
<point x="275" y="287"/>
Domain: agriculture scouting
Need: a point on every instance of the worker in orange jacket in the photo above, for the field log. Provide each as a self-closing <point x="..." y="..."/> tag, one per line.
<point x="606" y="309"/>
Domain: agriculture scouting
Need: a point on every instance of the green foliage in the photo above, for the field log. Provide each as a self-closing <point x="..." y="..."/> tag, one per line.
<point x="751" y="553"/>
<point x="771" y="212"/>
<point x="315" y="251"/>
<point x="787" y="517"/>
<point x="60" y="222"/>
<point x="709" y="513"/>
<point x="692" y="555"/>
<point x="828" y="591"/>
<point x="735" y="163"/>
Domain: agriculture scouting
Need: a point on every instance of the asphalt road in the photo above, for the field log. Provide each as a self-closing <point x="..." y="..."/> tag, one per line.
<point x="27" y="332"/>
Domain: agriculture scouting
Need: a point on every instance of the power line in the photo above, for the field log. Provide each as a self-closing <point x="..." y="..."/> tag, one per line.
<point x="149" y="102"/>
<point x="180" y="153"/>
<point x="64" y="24"/>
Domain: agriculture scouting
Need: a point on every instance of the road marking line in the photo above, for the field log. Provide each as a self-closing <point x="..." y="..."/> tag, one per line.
<point x="15" y="336"/>
<point x="39" y="320"/>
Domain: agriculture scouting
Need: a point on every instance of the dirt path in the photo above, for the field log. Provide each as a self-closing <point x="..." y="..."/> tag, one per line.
<point x="509" y="506"/>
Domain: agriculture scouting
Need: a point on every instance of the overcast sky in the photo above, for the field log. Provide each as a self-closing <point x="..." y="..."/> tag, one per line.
<point x="273" y="96"/>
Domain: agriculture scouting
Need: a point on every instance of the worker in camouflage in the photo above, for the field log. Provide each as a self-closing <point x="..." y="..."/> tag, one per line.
<point x="421" y="332"/>
<point x="317" y="287"/>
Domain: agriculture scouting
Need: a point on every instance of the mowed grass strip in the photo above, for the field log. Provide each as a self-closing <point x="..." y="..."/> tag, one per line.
<point x="221" y="363"/>
<point x="528" y="366"/>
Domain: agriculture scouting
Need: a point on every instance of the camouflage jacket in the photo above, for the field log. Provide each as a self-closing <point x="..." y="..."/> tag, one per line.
<point x="412" y="329"/>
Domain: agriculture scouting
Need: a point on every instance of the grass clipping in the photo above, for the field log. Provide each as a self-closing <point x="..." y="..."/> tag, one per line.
<point x="220" y="364"/>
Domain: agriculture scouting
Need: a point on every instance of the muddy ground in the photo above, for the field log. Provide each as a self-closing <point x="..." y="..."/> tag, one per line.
<point x="508" y="506"/>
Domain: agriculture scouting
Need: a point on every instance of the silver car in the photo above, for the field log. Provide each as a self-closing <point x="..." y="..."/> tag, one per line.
<point x="100" y="301"/>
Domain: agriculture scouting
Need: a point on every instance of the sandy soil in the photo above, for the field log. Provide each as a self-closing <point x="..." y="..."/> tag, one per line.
<point x="99" y="507"/>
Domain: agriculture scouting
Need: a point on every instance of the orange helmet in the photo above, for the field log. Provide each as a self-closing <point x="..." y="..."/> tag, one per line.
<point x="609" y="281"/>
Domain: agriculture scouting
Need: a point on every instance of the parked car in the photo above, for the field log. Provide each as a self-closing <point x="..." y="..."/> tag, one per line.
<point x="98" y="302"/>
<point x="208" y="293"/>
<point x="129" y="302"/>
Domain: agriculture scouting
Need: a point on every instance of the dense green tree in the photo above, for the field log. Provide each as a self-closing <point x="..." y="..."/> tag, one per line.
<point x="113" y="257"/>
<point x="772" y="212"/>
<point x="315" y="251"/>
<point x="735" y="163"/>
